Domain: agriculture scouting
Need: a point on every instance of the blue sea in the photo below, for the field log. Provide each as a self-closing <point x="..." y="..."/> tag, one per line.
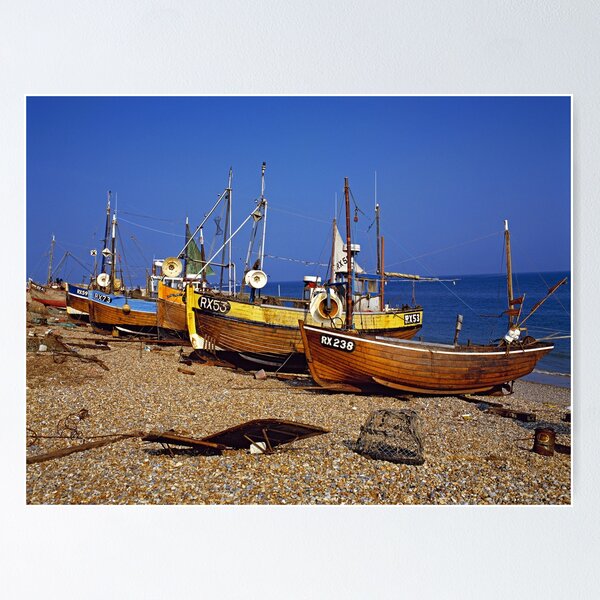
<point x="481" y="299"/>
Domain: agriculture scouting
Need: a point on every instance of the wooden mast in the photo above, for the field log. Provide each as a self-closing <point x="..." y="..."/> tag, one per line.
<point x="509" y="283"/>
<point x="113" y="257"/>
<point x="106" y="233"/>
<point x="184" y="255"/>
<point x="333" y="231"/>
<point x="203" y="258"/>
<point x="348" y="258"/>
<point x="226" y="235"/>
<point x="382" y="292"/>
<point x="264" y="224"/>
<point x="225" y="230"/>
<point x="50" y="261"/>
<point x="230" y="280"/>
<point x="259" y="213"/>
<point x="380" y="250"/>
<point x="379" y="269"/>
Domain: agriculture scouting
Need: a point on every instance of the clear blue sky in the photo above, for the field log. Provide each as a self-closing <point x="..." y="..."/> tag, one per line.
<point x="449" y="170"/>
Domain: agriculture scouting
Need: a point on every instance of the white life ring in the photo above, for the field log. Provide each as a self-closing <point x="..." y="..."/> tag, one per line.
<point x="318" y="306"/>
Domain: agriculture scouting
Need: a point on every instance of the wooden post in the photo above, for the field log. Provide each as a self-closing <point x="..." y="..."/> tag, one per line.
<point x="80" y="448"/>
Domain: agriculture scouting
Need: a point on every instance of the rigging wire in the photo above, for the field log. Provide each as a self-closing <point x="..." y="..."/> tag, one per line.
<point x="218" y="231"/>
<point x="125" y="272"/>
<point x="297" y="260"/>
<point x="294" y="214"/>
<point x="179" y="235"/>
<point x="356" y="207"/>
<point x="124" y="212"/>
<point x="69" y="253"/>
<point x="426" y="269"/>
<point x="73" y="245"/>
<point x="560" y="331"/>
<point x="139" y="249"/>
<point x="555" y="295"/>
<point x="37" y="266"/>
<point x="81" y="264"/>
<point x="416" y="258"/>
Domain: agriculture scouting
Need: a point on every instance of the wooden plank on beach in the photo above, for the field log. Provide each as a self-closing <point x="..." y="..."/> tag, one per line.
<point x="519" y="415"/>
<point x="79" y="448"/>
<point x="96" y="346"/>
<point x="73" y="354"/>
<point x="173" y="438"/>
<point x="480" y="401"/>
<point x="186" y="371"/>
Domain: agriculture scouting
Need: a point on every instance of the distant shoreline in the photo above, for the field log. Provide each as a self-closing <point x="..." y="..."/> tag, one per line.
<point x="556" y="380"/>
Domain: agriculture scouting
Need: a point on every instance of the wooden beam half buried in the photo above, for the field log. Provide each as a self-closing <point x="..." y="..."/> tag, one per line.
<point x="174" y="439"/>
<point x="79" y="448"/>
<point x="519" y="415"/>
<point x="272" y="431"/>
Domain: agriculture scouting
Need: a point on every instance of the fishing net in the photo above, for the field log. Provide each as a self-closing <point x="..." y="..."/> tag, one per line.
<point x="391" y="435"/>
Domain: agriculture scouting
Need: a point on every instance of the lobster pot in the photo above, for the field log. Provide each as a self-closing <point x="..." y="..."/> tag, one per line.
<point x="391" y="435"/>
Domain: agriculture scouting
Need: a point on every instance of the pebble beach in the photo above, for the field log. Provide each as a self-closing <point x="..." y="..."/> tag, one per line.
<point x="471" y="457"/>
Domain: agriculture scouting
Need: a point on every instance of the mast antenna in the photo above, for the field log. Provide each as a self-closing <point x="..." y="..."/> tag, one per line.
<point x="113" y="251"/>
<point x="50" y="261"/>
<point x="106" y="233"/>
<point x="264" y="225"/>
<point x="509" y="283"/>
<point x="230" y="272"/>
<point x="348" y="258"/>
<point x="376" y="188"/>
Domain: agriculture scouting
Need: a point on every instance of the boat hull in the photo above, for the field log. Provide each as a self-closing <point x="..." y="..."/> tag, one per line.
<point x="270" y="334"/>
<point x="170" y="314"/>
<point x="47" y="295"/>
<point x="171" y="321"/>
<point x="77" y="302"/>
<point x="361" y="361"/>
<point x="109" y="312"/>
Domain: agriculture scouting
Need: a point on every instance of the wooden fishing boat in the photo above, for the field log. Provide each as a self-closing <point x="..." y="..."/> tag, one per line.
<point x="265" y="329"/>
<point x="110" y="312"/>
<point x="50" y="294"/>
<point x="177" y="273"/>
<point x="351" y="361"/>
<point x="77" y="295"/>
<point x="170" y="314"/>
<point x="268" y="333"/>
<point x="77" y="302"/>
<point x="118" y="313"/>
